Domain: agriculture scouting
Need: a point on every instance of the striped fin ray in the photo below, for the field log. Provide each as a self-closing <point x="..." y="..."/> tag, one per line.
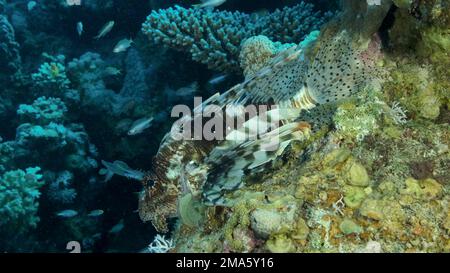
<point x="281" y="79"/>
<point x="228" y="166"/>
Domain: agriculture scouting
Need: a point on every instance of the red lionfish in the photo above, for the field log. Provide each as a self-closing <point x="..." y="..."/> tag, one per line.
<point x="306" y="93"/>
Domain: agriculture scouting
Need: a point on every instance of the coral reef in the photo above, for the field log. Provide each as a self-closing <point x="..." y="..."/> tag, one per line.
<point x="376" y="182"/>
<point x="43" y="110"/>
<point x="350" y="109"/>
<point x="51" y="75"/>
<point x="10" y="60"/>
<point x="214" y="37"/>
<point x="19" y="194"/>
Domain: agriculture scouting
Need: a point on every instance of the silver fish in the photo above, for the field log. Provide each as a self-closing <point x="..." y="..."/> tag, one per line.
<point x="112" y="71"/>
<point x="122" y="45"/>
<point x="105" y="30"/>
<point x="95" y="213"/>
<point x="68" y="213"/>
<point x="118" y="227"/>
<point x="120" y="168"/>
<point x="217" y="79"/>
<point x="139" y="126"/>
<point x="80" y="28"/>
<point x="209" y="4"/>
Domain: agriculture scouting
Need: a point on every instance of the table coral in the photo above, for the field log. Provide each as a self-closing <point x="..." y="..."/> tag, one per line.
<point x="214" y="37"/>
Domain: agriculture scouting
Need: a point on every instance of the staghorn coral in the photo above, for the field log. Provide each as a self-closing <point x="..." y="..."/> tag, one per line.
<point x="214" y="37"/>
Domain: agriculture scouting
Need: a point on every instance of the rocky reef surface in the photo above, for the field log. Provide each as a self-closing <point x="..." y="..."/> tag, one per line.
<point x="377" y="180"/>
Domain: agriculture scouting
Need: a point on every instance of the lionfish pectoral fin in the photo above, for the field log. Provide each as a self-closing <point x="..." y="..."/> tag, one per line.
<point x="227" y="171"/>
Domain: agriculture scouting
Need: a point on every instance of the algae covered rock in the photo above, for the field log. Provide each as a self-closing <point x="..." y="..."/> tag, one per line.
<point x="353" y="196"/>
<point x="357" y="175"/>
<point x="280" y="244"/>
<point x="301" y="231"/>
<point x="447" y="222"/>
<point x="347" y="227"/>
<point x="373" y="209"/>
<point x="280" y="216"/>
<point x="336" y="157"/>
<point x="427" y="189"/>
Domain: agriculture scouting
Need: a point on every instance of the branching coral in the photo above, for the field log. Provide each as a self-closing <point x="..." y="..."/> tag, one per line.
<point x="59" y="190"/>
<point x="19" y="192"/>
<point x="214" y="37"/>
<point x="44" y="110"/>
<point x="52" y="75"/>
<point x="45" y="128"/>
<point x="160" y="244"/>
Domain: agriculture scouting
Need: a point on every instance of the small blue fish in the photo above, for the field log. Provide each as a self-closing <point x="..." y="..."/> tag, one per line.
<point x="140" y="125"/>
<point x="122" y="45"/>
<point x="80" y="28"/>
<point x="105" y="30"/>
<point x="68" y="213"/>
<point x="119" y="168"/>
<point x="209" y="3"/>
<point x="118" y="227"/>
<point x="95" y="213"/>
<point x="217" y="79"/>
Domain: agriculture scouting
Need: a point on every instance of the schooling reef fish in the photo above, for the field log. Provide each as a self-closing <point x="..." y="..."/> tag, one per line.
<point x="95" y="213"/>
<point x="120" y="168"/>
<point x="68" y="213"/>
<point x="209" y="4"/>
<point x="122" y="45"/>
<point x="80" y="28"/>
<point x="105" y="30"/>
<point x="139" y="126"/>
<point x="217" y="79"/>
<point x="118" y="227"/>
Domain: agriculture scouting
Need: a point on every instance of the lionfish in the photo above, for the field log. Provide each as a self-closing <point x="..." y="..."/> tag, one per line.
<point x="305" y="92"/>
